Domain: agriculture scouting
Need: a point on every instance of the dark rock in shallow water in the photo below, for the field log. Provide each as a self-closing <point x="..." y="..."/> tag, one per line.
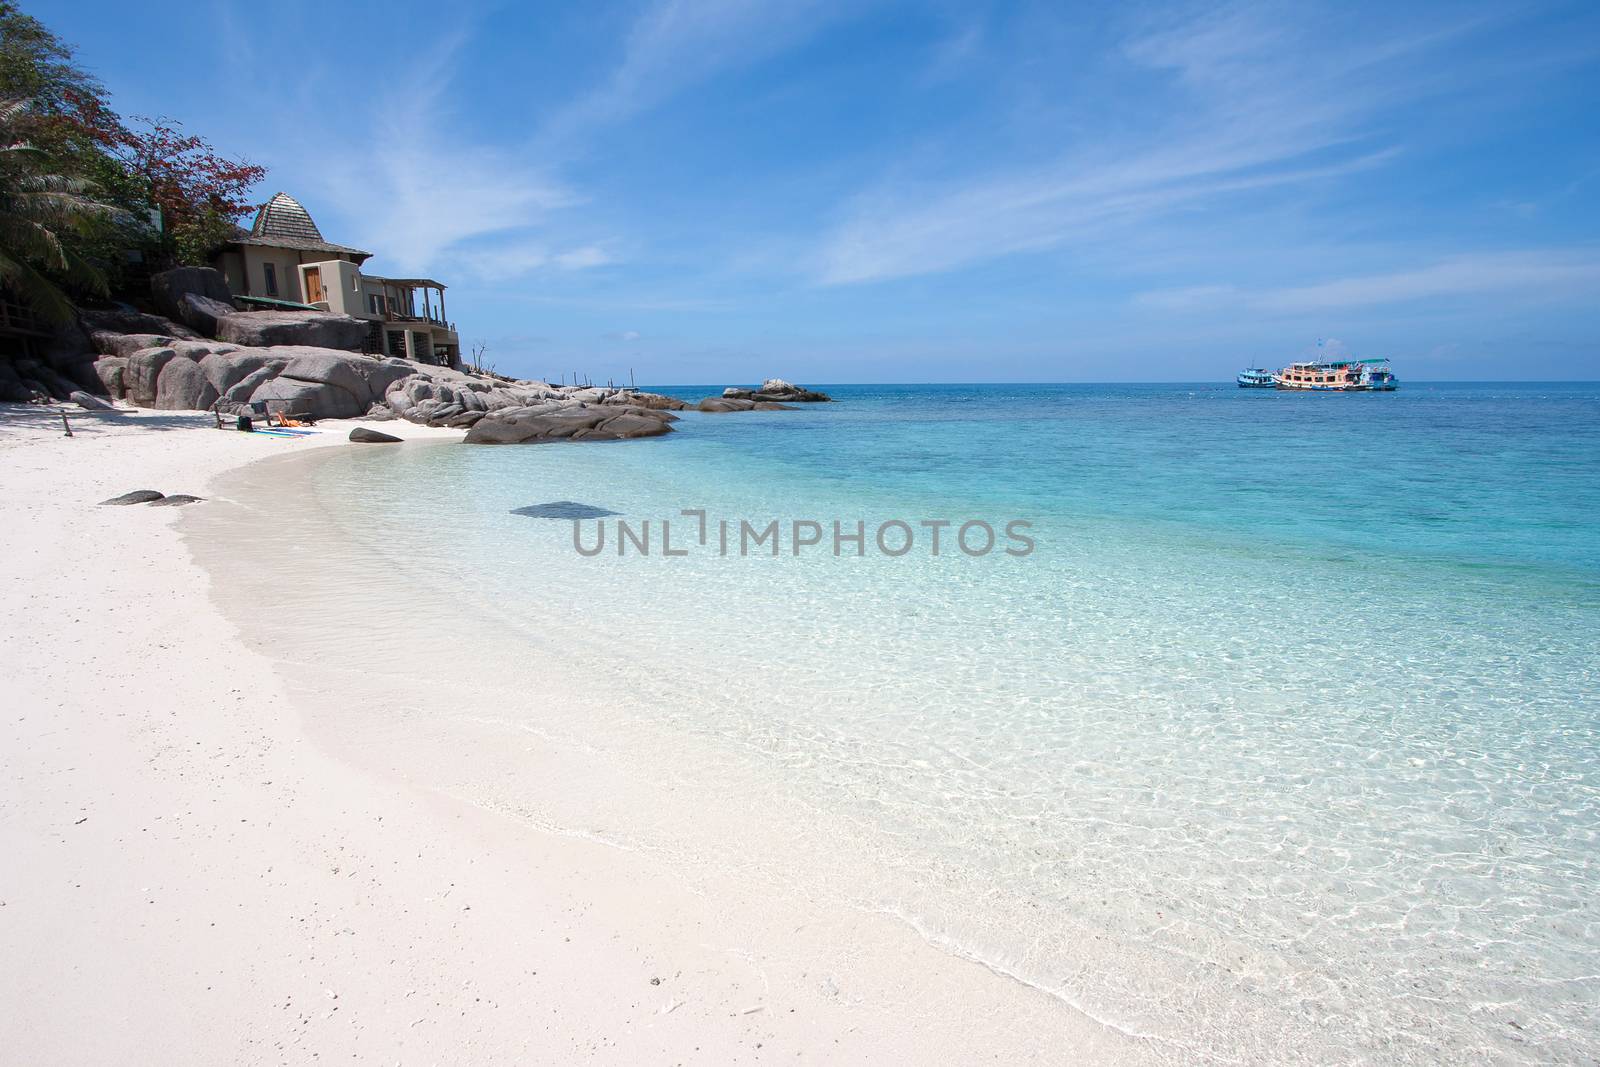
<point x="176" y="500"/>
<point x="563" y="509"/>
<point x="776" y="389"/>
<point x="362" y="435"/>
<point x="138" y="496"/>
<point x="726" y="403"/>
<point x="734" y="403"/>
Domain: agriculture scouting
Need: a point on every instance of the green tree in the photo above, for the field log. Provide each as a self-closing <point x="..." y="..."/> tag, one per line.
<point x="38" y="209"/>
<point x="179" y="197"/>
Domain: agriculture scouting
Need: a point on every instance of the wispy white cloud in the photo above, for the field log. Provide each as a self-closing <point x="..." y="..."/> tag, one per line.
<point x="1543" y="274"/>
<point x="584" y="258"/>
<point x="1247" y="101"/>
<point x="418" y="188"/>
<point x="674" y="44"/>
<point x="508" y="260"/>
<point x="496" y="210"/>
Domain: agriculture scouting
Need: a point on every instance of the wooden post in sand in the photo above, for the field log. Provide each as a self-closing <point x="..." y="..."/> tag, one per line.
<point x="65" y="425"/>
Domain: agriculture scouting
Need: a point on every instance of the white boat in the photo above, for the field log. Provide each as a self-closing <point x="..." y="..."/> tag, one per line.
<point x="1337" y="376"/>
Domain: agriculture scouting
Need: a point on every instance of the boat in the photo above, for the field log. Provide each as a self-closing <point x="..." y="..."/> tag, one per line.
<point x="1337" y="376"/>
<point x="1256" y="378"/>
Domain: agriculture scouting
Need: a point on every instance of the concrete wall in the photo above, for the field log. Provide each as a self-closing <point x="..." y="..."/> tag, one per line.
<point x="244" y="267"/>
<point x="341" y="287"/>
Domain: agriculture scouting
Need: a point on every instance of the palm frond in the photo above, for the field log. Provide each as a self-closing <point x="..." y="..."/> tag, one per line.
<point x="36" y="290"/>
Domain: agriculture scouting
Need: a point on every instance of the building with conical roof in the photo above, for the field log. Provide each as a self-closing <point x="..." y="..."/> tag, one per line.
<point x="284" y="261"/>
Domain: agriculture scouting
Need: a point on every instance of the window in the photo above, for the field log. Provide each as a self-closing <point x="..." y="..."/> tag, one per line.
<point x="270" y="273"/>
<point x="376" y="304"/>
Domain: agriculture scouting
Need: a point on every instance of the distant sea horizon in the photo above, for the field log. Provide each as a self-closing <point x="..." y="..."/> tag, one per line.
<point x="821" y="384"/>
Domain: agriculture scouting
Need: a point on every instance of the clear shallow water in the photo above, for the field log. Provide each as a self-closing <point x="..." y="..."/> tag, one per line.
<point x="1283" y="744"/>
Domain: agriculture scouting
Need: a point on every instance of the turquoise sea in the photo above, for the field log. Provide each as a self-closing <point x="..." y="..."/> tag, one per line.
<point x="1282" y="745"/>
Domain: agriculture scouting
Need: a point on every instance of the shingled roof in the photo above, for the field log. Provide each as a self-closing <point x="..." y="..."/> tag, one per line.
<point x="283" y="216"/>
<point x="283" y="223"/>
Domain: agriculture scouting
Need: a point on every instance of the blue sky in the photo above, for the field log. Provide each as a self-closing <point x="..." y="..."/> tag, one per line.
<point x="891" y="191"/>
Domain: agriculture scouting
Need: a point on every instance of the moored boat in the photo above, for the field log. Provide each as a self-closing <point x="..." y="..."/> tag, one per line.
<point x="1338" y="376"/>
<point x="1256" y="378"/>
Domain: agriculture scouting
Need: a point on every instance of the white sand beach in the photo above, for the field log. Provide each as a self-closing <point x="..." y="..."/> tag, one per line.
<point x="191" y="877"/>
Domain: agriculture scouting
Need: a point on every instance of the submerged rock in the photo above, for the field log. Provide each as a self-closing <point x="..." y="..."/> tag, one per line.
<point x="564" y="509"/>
<point x="733" y="403"/>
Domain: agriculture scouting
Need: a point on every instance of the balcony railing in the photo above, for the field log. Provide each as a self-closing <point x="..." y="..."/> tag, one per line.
<point x="17" y="317"/>
<point x="395" y="316"/>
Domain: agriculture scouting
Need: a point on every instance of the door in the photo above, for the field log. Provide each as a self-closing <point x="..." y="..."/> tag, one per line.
<point x="313" y="285"/>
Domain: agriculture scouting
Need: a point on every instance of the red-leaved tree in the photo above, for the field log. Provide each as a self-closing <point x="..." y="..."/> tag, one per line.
<point x="199" y="193"/>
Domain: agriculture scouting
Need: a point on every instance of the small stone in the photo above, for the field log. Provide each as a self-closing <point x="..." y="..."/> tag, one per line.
<point x="89" y="402"/>
<point x="176" y="500"/>
<point x="138" y="496"/>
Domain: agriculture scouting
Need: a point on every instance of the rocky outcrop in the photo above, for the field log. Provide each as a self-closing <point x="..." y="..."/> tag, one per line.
<point x="198" y="297"/>
<point x="239" y="395"/>
<point x="320" y="400"/>
<point x="728" y="403"/>
<point x="568" y="420"/>
<point x="144" y="370"/>
<point x="110" y="370"/>
<point x="170" y="372"/>
<point x="183" y="386"/>
<point x="126" y="344"/>
<point x="224" y="370"/>
<point x="126" y="320"/>
<point x="776" y="390"/>
<point x="310" y="329"/>
<point x="653" y="401"/>
<point x="204" y="314"/>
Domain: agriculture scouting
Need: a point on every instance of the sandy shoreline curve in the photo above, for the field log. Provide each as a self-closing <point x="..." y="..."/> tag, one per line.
<point x="193" y="876"/>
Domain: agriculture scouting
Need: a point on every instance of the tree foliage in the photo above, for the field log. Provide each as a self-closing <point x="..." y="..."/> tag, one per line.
<point x="198" y="193"/>
<point x="102" y="186"/>
<point x="40" y="212"/>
